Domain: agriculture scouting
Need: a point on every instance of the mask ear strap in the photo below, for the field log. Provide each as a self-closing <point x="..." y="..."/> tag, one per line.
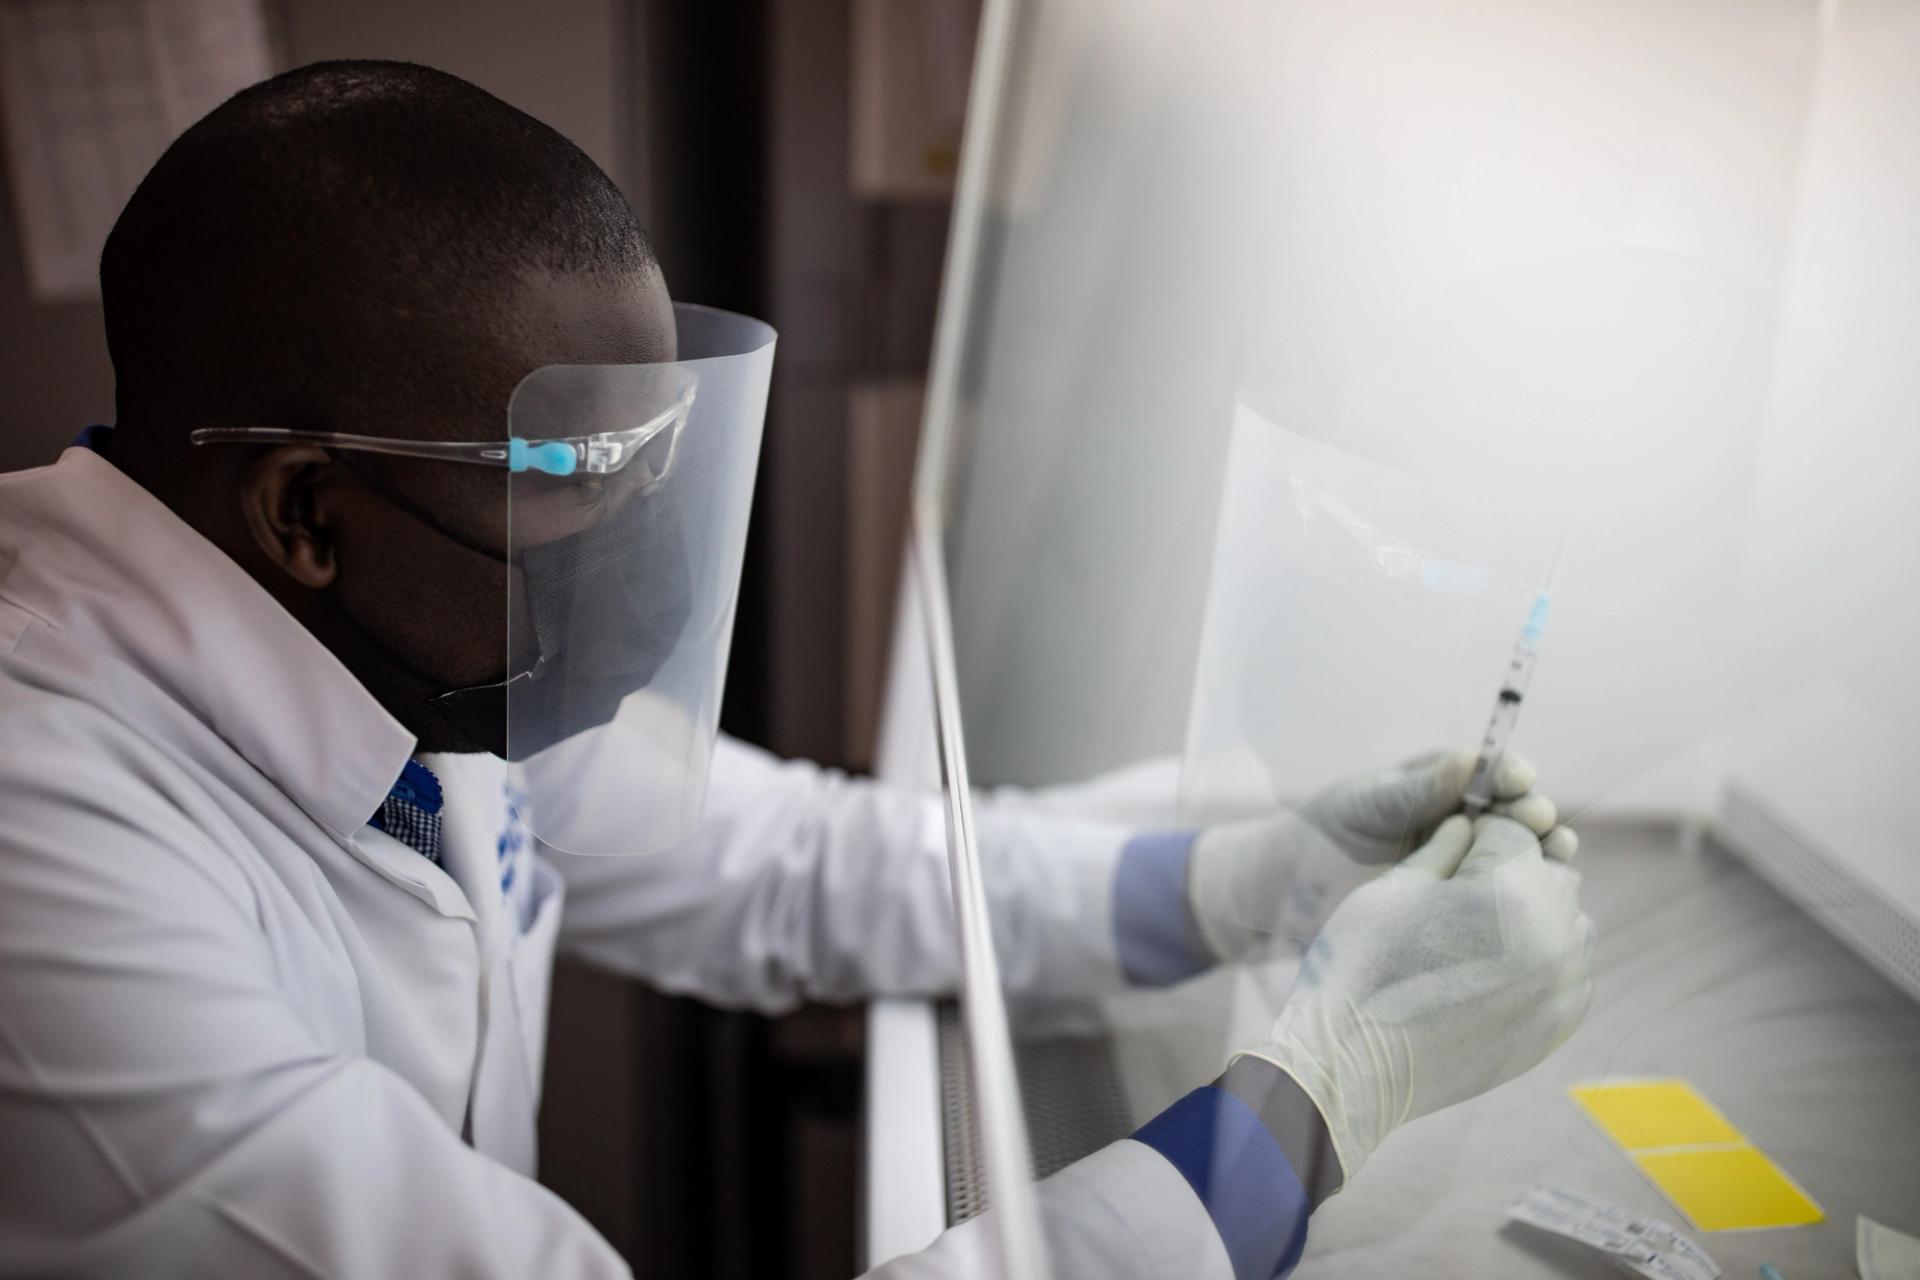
<point x="421" y="514"/>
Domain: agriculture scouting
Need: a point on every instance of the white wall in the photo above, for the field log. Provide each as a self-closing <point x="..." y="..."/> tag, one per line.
<point x="1829" y="617"/>
<point x="1524" y="251"/>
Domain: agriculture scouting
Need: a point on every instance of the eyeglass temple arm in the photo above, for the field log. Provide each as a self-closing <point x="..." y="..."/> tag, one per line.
<point x="554" y="457"/>
<point x="487" y="453"/>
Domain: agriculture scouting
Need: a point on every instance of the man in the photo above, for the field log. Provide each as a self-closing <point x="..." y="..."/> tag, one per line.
<point x="277" y="914"/>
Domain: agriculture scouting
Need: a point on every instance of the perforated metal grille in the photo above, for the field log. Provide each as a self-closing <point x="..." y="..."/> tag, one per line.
<point x="1804" y="869"/>
<point x="1070" y="1092"/>
<point x="966" y="1171"/>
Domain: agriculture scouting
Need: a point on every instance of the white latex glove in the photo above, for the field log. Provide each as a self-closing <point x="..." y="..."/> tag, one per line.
<point x="1453" y="972"/>
<point x="1282" y="875"/>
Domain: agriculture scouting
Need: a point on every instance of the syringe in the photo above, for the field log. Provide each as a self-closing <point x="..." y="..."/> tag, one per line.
<point x="1506" y="707"/>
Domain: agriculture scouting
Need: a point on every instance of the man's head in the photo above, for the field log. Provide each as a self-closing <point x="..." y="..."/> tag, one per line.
<point x="380" y="249"/>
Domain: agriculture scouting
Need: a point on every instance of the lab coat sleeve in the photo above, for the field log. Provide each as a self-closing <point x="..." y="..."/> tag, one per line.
<point x="1207" y="1188"/>
<point x="803" y="883"/>
<point x="1122" y="1213"/>
<point x="167" y="1111"/>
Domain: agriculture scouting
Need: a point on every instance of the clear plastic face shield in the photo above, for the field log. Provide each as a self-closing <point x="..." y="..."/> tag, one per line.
<point x="628" y="492"/>
<point x="627" y="526"/>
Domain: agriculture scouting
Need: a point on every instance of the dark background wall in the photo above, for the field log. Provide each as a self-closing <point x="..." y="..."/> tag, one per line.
<point x="560" y="60"/>
<point x="54" y="375"/>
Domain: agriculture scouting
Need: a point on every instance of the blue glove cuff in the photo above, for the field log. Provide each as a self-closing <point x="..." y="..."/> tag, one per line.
<point x="1153" y="926"/>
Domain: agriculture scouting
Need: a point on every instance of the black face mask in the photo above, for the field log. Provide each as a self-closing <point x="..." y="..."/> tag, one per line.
<point x="608" y="605"/>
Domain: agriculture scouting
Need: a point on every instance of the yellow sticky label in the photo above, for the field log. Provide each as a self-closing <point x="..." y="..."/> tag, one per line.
<point x="1695" y="1155"/>
<point x="1729" y="1189"/>
<point x="1654" y="1113"/>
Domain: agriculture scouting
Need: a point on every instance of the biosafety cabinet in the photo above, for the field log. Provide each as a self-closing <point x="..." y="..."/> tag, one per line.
<point x="1280" y="345"/>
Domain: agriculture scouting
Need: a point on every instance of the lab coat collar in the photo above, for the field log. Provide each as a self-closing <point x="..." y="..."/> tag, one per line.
<point x="99" y="557"/>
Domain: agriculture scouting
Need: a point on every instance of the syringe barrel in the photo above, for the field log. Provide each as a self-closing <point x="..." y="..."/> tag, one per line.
<point x="1493" y="744"/>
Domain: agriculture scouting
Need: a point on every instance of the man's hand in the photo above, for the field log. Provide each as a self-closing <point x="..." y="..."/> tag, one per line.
<point x="1283" y="875"/>
<point x="1454" y="971"/>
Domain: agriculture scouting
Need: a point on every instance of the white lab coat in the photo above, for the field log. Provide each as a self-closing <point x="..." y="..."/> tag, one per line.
<point x="242" y="1032"/>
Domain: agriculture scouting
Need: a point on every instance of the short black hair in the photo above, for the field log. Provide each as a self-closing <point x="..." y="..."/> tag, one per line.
<point x="334" y="248"/>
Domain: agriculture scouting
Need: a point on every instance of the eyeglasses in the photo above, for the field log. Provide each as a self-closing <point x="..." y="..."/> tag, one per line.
<point x="649" y="446"/>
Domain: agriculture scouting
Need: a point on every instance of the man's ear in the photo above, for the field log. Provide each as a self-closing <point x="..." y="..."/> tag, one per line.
<point x="276" y="498"/>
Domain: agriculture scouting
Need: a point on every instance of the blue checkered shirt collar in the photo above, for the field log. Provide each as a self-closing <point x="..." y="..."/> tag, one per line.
<point x="411" y="811"/>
